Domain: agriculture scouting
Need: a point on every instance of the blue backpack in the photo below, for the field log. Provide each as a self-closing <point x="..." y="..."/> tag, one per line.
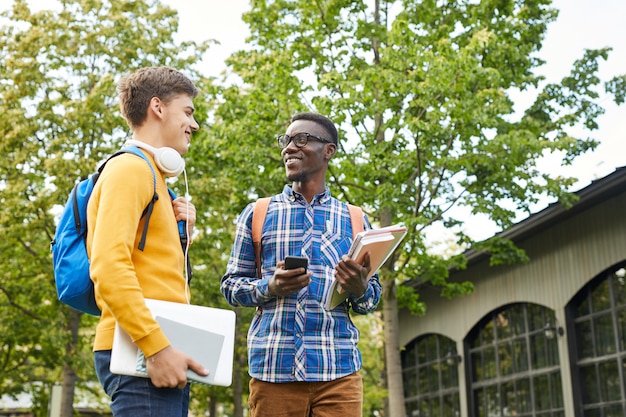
<point x="69" y="250"/>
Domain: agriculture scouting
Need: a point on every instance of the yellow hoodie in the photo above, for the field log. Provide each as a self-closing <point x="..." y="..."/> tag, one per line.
<point x="122" y="274"/>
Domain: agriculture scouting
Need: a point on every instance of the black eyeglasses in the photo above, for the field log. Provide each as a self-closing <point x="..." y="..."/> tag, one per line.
<point x="299" y="139"/>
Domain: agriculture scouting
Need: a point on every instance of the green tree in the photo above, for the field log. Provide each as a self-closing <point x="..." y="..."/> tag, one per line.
<point x="422" y="91"/>
<point x="58" y="118"/>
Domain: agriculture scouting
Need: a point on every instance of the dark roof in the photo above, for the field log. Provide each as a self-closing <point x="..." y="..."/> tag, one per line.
<point x="598" y="191"/>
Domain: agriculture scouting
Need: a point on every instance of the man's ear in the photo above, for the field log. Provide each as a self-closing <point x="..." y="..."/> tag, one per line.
<point x="330" y="150"/>
<point x="156" y="107"/>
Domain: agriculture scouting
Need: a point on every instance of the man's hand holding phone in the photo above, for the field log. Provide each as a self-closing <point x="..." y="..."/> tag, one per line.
<point x="290" y="276"/>
<point x="293" y="262"/>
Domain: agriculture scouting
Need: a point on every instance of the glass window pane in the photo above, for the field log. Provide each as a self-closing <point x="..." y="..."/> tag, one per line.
<point x="410" y="383"/>
<point x="517" y="319"/>
<point x="480" y="403"/>
<point x="509" y="400"/>
<point x="552" y="351"/>
<point x="435" y="407"/>
<point x="542" y="392"/>
<point x="493" y="401"/>
<point x="420" y="349"/>
<point x="624" y="368"/>
<point x="451" y="405"/>
<point x="477" y="366"/>
<point x="605" y="337"/>
<point x="609" y="381"/>
<point x="503" y="325"/>
<point x="538" y="351"/>
<point x="536" y="317"/>
<point x="621" y="320"/>
<point x="600" y="299"/>
<point x="445" y="373"/>
<point x="423" y="409"/>
<point x="408" y="356"/>
<point x="589" y="382"/>
<point x="433" y="378"/>
<point x="446" y="345"/>
<point x="487" y="334"/>
<point x="556" y="389"/>
<point x="489" y="363"/>
<point x="449" y="375"/>
<point x="422" y="377"/>
<point x="520" y="351"/>
<point x="524" y="403"/>
<point x="505" y="358"/>
<point x="615" y="410"/>
<point x="593" y="413"/>
<point x="584" y="340"/>
<point x="584" y="308"/>
<point x="430" y="344"/>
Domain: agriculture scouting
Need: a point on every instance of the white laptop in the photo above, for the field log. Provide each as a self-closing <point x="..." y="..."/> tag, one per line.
<point x="206" y="334"/>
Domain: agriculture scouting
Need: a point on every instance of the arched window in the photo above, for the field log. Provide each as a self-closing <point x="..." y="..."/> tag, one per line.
<point x="599" y="316"/>
<point x="514" y="364"/>
<point x="431" y="380"/>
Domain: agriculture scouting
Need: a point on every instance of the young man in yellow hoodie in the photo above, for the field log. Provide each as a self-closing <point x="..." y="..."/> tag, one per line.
<point x="157" y="105"/>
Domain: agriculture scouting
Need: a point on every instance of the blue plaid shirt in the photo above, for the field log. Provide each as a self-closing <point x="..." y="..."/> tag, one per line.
<point x="294" y="338"/>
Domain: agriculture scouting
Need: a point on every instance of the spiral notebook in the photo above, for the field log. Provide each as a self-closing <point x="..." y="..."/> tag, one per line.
<point x="206" y="334"/>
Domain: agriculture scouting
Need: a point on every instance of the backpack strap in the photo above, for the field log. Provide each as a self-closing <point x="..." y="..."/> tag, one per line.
<point x="182" y="230"/>
<point x="148" y="210"/>
<point x="258" y="219"/>
<point x="148" y="213"/>
<point x="356" y="219"/>
<point x="184" y="239"/>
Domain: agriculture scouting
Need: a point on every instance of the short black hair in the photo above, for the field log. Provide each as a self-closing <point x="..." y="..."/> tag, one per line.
<point x="318" y="118"/>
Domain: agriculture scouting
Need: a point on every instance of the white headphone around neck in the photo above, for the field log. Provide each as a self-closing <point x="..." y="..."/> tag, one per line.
<point x="168" y="160"/>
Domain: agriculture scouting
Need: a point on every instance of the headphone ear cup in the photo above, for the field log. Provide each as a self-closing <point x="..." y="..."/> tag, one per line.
<point x="169" y="161"/>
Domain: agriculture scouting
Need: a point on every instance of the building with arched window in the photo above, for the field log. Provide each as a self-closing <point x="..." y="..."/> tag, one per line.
<point x="542" y="339"/>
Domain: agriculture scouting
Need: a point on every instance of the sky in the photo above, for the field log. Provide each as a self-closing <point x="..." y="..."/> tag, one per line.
<point x="582" y="24"/>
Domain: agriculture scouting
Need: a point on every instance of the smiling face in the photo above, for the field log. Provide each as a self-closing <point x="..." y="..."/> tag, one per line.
<point x="309" y="163"/>
<point x="178" y="123"/>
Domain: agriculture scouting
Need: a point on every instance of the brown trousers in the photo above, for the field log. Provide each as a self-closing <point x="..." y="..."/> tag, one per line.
<point x="342" y="397"/>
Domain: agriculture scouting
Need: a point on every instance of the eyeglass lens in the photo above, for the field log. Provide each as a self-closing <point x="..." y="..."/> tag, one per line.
<point x="299" y="139"/>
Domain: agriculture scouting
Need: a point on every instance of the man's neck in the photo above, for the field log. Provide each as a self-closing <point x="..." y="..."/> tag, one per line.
<point x="149" y="133"/>
<point x="308" y="189"/>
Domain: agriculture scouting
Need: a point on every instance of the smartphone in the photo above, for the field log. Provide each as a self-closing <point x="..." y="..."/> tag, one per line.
<point x="292" y="262"/>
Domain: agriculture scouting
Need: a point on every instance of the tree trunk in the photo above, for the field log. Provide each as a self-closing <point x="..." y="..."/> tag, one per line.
<point x="395" y="385"/>
<point x="394" y="407"/>
<point x="69" y="376"/>
<point x="239" y="366"/>
<point x="238" y="390"/>
<point x="212" y="406"/>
